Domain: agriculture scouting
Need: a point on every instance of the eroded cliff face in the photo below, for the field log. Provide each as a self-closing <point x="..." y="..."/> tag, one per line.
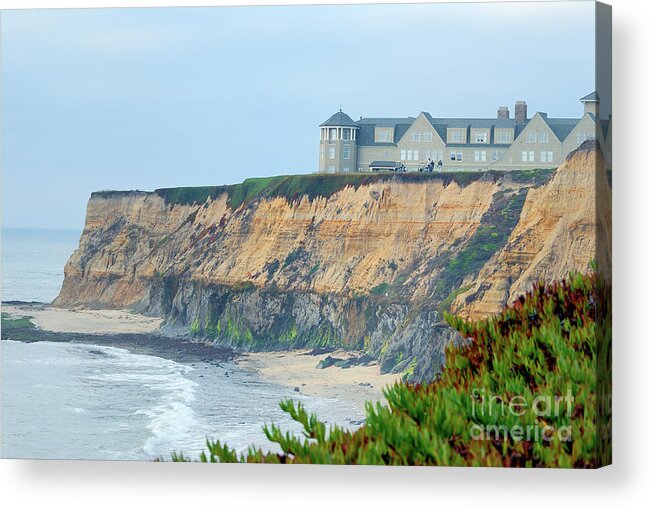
<point x="563" y="227"/>
<point x="370" y="265"/>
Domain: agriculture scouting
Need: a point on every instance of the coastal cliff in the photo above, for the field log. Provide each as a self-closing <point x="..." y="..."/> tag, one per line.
<point x="359" y="261"/>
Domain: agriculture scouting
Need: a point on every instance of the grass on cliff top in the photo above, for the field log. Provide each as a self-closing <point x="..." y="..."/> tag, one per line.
<point x="531" y="389"/>
<point x="294" y="187"/>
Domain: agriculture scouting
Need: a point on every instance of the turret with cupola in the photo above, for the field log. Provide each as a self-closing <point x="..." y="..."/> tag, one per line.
<point x="338" y="144"/>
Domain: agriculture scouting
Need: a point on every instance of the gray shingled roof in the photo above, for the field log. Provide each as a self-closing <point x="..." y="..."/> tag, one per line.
<point x="605" y="125"/>
<point x="339" y="119"/>
<point x="441" y="125"/>
<point x="591" y="97"/>
<point x="561" y="127"/>
<point x="366" y="132"/>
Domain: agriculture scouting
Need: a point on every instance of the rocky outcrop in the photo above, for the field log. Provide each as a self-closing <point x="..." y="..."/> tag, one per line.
<point x="363" y="261"/>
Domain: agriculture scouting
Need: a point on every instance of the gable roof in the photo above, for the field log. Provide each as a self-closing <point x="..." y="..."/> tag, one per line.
<point x="561" y="127"/>
<point x="339" y="119"/>
<point x="441" y="125"/>
<point x="591" y="97"/>
<point x="366" y="133"/>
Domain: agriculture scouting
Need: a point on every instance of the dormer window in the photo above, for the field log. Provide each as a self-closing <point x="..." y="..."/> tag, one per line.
<point x="456" y="136"/>
<point x="503" y="136"/>
<point x="383" y="135"/>
<point x="480" y="137"/>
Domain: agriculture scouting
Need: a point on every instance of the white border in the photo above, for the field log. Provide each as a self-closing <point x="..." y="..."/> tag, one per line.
<point x="100" y="484"/>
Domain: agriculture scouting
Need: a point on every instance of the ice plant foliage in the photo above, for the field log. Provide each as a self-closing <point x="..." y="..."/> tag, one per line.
<point x="528" y="388"/>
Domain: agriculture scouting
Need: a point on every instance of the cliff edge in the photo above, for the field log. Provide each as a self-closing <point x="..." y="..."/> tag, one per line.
<point x="359" y="261"/>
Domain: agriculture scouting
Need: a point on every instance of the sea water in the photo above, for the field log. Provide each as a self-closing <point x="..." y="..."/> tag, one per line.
<point x="32" y="262"/>
<point x="82" y="401"/>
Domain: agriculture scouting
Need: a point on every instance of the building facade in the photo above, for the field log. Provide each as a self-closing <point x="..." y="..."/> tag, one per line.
<point x="451" y="144"/>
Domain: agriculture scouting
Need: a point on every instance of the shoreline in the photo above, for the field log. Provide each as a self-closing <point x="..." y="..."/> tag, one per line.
<point x="355" y="383"/>
<point x="298" y="369"/>
<point x="152" y="343"/>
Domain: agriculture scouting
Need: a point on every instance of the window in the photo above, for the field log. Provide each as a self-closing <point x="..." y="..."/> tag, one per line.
<point x="532" y="137"/>
<point x="333" y="134"/>
<point x="480" y="155"/>
<point x="456" y="136"/>
<point x="346" y="169"/>
<point x="428" y="137"/>
<point x="528" y="156"/>
<point x="582" y="136"/>
<point x="331" y="152"/>
<point x="531" y="156"/>
<point x="480" y="137"/>
<point x="546" y="156"/>
<point x="410" y="155"/>
<point x="497" y="154"/>
<point x="346" y="152"/>
<point x="331" y="169"/>
<point x="403" y="155"/>
<point x="543" y="137"/>
<point x="456" y="156"/>
<point x="415" y="155"/>
<point x="503" y="137"/>
<point x="345" y="134"/>
<point x="415" y="137"/>
<point x="432" y="155"/>
<point x="384" y="135"/>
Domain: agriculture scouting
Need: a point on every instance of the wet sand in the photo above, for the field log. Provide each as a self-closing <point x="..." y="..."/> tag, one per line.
<point x="298" y="369"/>
<point x="92" y="322"/>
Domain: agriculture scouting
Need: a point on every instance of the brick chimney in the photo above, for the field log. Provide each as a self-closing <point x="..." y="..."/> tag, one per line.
<point x="520" y="112"/>
<point x="503" y="113"/>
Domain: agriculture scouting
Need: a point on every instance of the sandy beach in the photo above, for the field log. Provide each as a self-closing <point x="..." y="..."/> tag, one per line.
<point x="298" y="368"/>
<point x="91" y="322"/>
<point x="295" y="369"/>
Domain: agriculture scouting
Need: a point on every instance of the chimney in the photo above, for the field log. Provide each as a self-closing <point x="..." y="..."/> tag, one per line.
<point x="520" y="112"/>
<point x="503" y="113"/>
<point x="591" y="103"/>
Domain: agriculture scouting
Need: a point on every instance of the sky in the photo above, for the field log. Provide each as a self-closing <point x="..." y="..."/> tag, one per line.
<point x="97" y="99"/>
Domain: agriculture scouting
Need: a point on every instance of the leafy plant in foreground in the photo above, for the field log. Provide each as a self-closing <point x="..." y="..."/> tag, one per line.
<point x="540" y="366"/>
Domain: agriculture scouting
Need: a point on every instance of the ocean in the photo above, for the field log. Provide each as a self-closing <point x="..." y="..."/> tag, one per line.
<point x="83" y="401"/>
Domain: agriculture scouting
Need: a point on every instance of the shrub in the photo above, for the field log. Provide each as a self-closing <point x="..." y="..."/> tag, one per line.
<point x="491" y="235"/>
<point x="380" y="289"/>
<point x="552" y="342"/>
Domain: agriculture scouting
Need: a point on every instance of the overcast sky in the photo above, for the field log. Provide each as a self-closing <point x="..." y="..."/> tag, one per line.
<point x="147" y="98"/>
